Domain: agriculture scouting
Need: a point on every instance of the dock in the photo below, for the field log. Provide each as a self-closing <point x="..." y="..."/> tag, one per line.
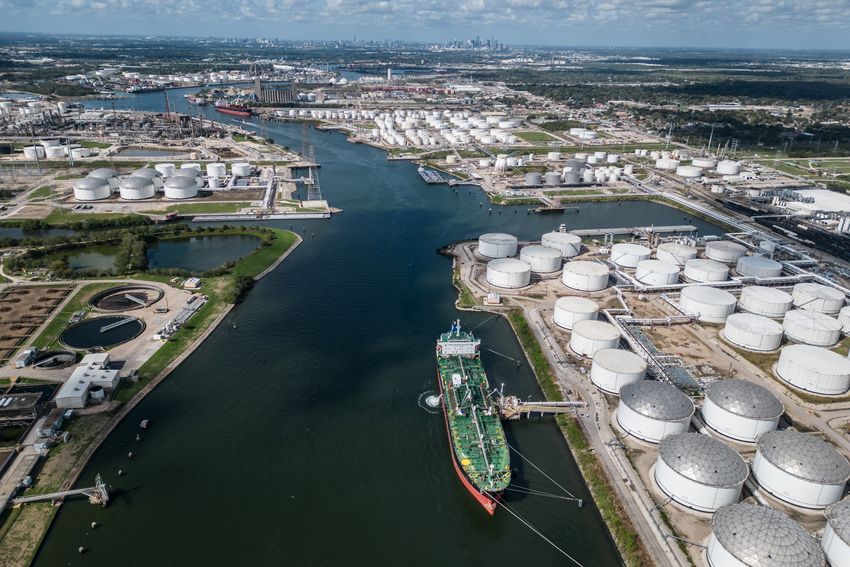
<point x="97" y="494"/>
<point x="682" y="228"/>
<point x="512" y="407"/>
<point x="430" y="176"/>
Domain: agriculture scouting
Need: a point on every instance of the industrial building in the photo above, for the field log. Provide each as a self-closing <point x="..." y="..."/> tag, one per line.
<point x="92" y="372"/>
<point x="651" y="410"/>
<point x="740" y="410"/>
<point x="277" y="93"/>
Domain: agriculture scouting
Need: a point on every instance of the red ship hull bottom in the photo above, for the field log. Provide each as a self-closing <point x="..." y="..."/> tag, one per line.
<point x="233" y="112"/>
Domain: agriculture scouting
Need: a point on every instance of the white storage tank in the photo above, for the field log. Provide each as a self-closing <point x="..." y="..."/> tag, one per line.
<point x="552" y="178"/>
<point x="567" y="244"/>
<point x="800" y="469"/>
<point x="814" y="369"/>
<point x="703" y="271"/>
<point x="844" y="319"/>
<point x="585" y="276"/>
<point x="508" y="273"/>
<point x="613" y="368"/>
<point x="699" y="471"/>
<point x="765" y="301"/>
<point x="166" y="169"/>
<point x="666" y="163"/>
<point x="133" y="188"/>
<point x="753" y="332"/>
<point x="711" y="304"/>
<point x="744" y="535"/>
<point x="216" y="170"/>
<point x="571" y="309"/>
<point x="150" y="173"/>
<point x="590" y="336"/>
<point x="758" y="267"/>
<point x="728" y="167"/>
<point x="656" y="273"/>
<point x="725" y="251"/>
<point x="705" y="163"/>
<point x="181" y="187"/>
<point x="811" y="327"/>
<point x="675" y="253"/>
<point x="34" y="152"/>
<point x="542" y="259"/>
<point x="836" y="535"/>
<point x="195" y="166"/>
<point x="627" y="255"/>
<point x="78" y="153"/>
<point x="532" y="179"/>
<point x="241" y="169"/>
<point x="688" y="171"/>
<point x="92" y="189"/>
<point x="740" y="410"/>
<point x="651" y="410"/>
<point x="497" y="245"/>
<point x="54" y="152"/>
<point x="817" y="297"/>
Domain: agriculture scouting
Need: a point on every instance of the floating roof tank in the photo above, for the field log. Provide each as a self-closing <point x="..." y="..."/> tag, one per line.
<point x="753" y="332"/>
<point x="811" y="327"/>
<point x="688" y="171"/>
<point x="497" y="245"/>
<point x="758" y="267"/>
<point x="711" y="304"/>
<point x="728" y="167"/>
<point x="817" y="297"/>
<point x="542" y="259"/>
<point x="568" y="244"/>
<point x="216" y="170"/>
<point x="836" y="535"/>
<point x="181" y="187"/>
<point x="844" y="319"/>
<point x="740" y="409"/>
<point x="814" y="369"/>
<point x="613" y="368"/>
<point x="585" y="276"/>
<point x="92" y="189"/>
<point x="571" y="309"/>
<point x="651" y="410"/>
<point x="589" y="336"/>
<point x="725" y="251"/>
<point x="134" y="188"/>
<point x="627" y="255"/>
<point x="508" y="273"/>
<point x="656" y="273"/>
<point x="699" y="270"/>
<point x="765" y="301"/>
<point x="675" y="253"/>
<point x="705" y="163"/>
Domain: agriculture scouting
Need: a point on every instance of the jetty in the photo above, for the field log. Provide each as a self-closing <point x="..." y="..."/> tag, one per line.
<point x="512" y="407"/>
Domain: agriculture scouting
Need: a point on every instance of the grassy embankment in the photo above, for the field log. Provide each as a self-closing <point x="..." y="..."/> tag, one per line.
<point x="202" y="208"/>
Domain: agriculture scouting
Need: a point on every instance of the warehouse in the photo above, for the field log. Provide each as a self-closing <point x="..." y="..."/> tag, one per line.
<point x="93" y="371"/>
<point x="740" y="410"/>
<point x="814" y="369"/>
<point x="569" y="310"/>
<point x="613" y="368"/>
<point x="712" y="305"/>
<point x="651" y="410"/>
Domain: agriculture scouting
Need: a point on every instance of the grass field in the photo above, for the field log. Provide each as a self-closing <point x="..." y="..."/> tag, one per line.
<point x="40" y="193"/>
<point x="50" y="335"/>
<point x="534" y="137"/>
<point x="60" y="217"/>
<point x="202" y="208"/>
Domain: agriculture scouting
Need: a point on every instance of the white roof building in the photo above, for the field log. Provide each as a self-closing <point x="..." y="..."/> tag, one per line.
<point x="93" y="370"/>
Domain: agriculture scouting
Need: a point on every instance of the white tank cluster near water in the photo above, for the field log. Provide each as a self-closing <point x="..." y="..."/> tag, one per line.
<point x="814" y="369"/>
<point x="508" y="273"/>
<point x="613" y="368"/>
<point x="800" y="469"/>
<point x="817" y="297"/>
<point x="583" y="275"/>
<point x="651" y="410"/>
<point x="656" y="273"/>
<point x="836" y="535"/>
<point x="705" y="271"/>
<point x="590" y="336"/>
<point x="766" y="301"/>
<point x="712" y="305"/>
<point x="497" y="245"/>
<point x="567" y="244"/>
<point x="753" y="332"/>
<point x="570" y="310"/>
<point x="699" y="471"/>
<point x="740" y="409"/>
<point x="627" y="255"/>
<point x="542" y="259"/>
<point x="811" y="327"/>
<point x="675" y="253"/>
<point x="725" y="251"/>
<point x="758" y="267"/>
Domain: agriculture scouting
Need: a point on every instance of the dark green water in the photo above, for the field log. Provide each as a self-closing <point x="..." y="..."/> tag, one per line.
<point x="88" y="335"/>
<point x="200" y="253"/>
<point x="101" y="258"/>
<point x="295" y="438"/>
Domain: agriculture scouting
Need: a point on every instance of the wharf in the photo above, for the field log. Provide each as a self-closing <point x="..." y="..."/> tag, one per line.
<point x="431" y="177"/>
<point x="635" y="230"/>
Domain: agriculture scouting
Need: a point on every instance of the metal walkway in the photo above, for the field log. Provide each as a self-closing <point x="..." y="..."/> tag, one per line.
<point x="98" y="494"/>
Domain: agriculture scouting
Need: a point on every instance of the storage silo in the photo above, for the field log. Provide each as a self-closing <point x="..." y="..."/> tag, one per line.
<point x="150" y="173"/>
<point x="571" y="309"/>
<point x="195" y="166"/>
<point x="508" y="273"/>
<point x="216" y="170"/>
<point x="54" y="152"/>
<point x="814" y="369"/>
<point x="811" y="327"/>
<point x="572" y="177"/>
<point x="166" y="169"/>
<point x="656" y="273"/>
<point x="133" y="188"/>
<point x="744" y="535"/>
<point x="740" y="409"/>
<point x="765" y="301"/>
<point x="836" y="535"/>
<point x="705" y="163"/>
<point x="33" y="153"/>
<point x="497" y="245"/>
<point x="666" y="163"/>
<point x="180" y="187"/>
<point x="725" y="251"/>
<point x="675" y="253"/>
<point x="241" y="169"/>
<point x="800" y="469"/>
<point x="552" y="178"/>
<point x="688" y="171"/>
<point x="613" y="368"/>
<point x="753" y="332"/>
<point x="590" y="336"/>
<point x="92" y="189"/>
<point x="699" y="471"/>
<point x="817" y="297"/>
<point x="532" y="179"/>
<point x="712" y="305"/>
<point x="651" y="410"/>
<point x="585" y="276"/>
<point x="567" y="244"/>
<point x="758" y="267"/>
<point x="703" y="271"/>
<point x="844" y="319"/>
<point x="542" y="259"/>
<point x="728" y="167"/>
<point x="627" y="255"/>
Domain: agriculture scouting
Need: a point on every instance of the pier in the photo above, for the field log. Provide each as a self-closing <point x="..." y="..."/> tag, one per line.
<point x="97" y="494"/>
<point x="430" y="176"/>
<point x="512" y="407"/>
<point x="683" y="228"/>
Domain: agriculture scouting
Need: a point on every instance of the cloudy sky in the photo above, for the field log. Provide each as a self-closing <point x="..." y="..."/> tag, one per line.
<point x="722" y="23"/>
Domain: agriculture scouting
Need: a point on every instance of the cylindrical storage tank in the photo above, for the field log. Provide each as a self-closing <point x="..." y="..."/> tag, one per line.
<point x="704" y="271"/>
<point x="712" y="305"/>
<point x="542" y="259"/>
<point x="180" y="187"/>
<point x="166" y="169"/>
<point x="814" y="369"/>
<point x="744" y="535"/>
<point x="484" y="163"/>
<point x="571" y="309"/>
<point x="149" y="173"/>
<point x="836" y="535"/>
<point x="765" y="301"/>
<point x="666" y="163"/>
<point x="688" y="171"/>
<point x="195" y="166"/>
<point x="552" y="178"/>
<point x="572" y="178"/>
<point x="817" y="297"/>
<point x="508" y="273"/>
<point x="800" y="469"/>
<point x="497" y="245"/>
<point x="811" y="328"/>
<point x="725" y="251"/>
<point x="613" y="368"/>
<point x="699" y="471"/>
<point x="78" y="153"/>
<point x="758" y="267"/>
<point x="135" y="188"/>
<point x="54" y="152"/>
<point x="753" y="332"/>
<point x="727" y="167"/>
<point x="585" y="276"/>
<point x="844" y="319"/>
<point x="740" y="410"/>
<point x="675" y="253"/>
<point x="652" y="410"/>
<point x="241" y="169"/>
<point x="567" y="244"/>
<point x="656" y="273"/>
<point x="104" y="173"/>
<point x="34" y="152"/>
<point x="613" y="158"/>
<point x="92" y="189"/>
<point x="590" y="336"/>
<point x="704" y="162"/>
<point x="553" y="156"/>
<point x="216" y="170"/>
<point x="627" y="255"/>
<point x="532" y="179"/>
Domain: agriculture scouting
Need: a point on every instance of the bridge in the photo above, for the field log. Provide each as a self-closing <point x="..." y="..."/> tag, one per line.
<point x="512" y="407"/>
<point x="111" y="326"/>
<point x="98" y="494"/>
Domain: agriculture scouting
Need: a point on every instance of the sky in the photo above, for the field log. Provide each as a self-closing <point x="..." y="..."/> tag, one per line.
<point x="794" y="24"/>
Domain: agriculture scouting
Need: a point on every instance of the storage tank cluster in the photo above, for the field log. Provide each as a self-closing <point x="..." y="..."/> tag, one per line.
<point x="570" y="310"/>
<point x="765" y="301"/>
<point x="705" y="271"/>
<point x="614" y="368"/>
<point x="651" y="410"/>
<point x="675" y="253"/>
<point x="433" y="128"/>
<point x="583" y="275"/>
<point x="656" y="273"/>
<point x="590" y="336"/>
<point x="753" y="332"/>
<point x="710" y="304"/>
<point x="814" y="369"/>
<point x="566" y="243"/>
<point x="740" y="410"/>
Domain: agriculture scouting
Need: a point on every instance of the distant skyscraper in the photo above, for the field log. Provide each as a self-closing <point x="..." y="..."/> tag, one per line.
<point x="389" y="75"/>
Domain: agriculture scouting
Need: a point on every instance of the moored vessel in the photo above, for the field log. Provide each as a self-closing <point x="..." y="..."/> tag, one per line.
<point x="233" y="109"/>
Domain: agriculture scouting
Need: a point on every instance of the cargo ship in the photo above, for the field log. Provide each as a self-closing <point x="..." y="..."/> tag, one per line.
<point x="195" y="100"/>
<point x="479" y="450"/>
<point x="233" y="109"/>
